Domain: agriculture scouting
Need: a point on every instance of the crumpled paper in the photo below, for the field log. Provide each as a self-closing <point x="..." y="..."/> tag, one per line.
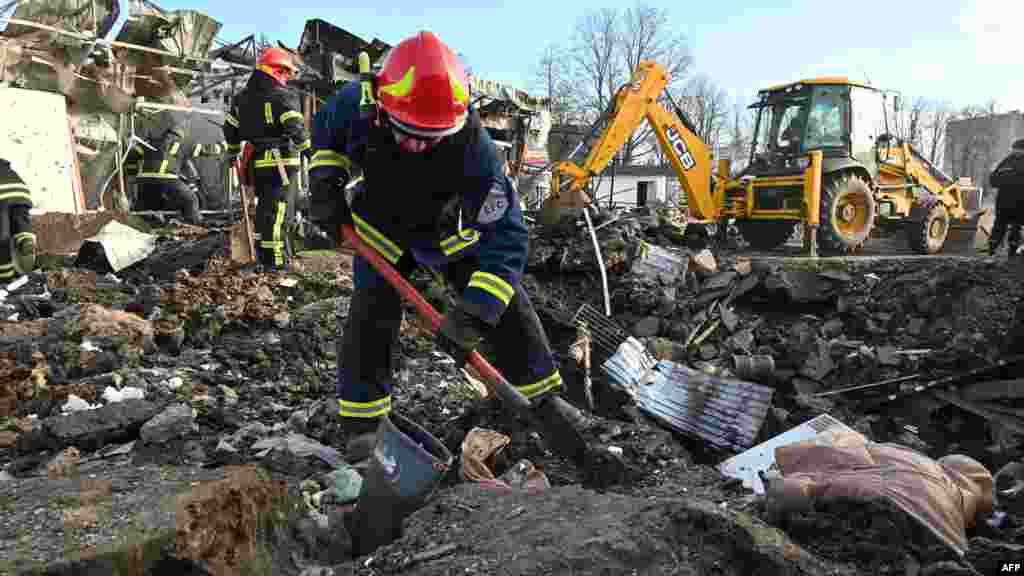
<point x="479" y="449"/>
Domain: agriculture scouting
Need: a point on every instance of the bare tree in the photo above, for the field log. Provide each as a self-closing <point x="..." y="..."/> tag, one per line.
<point x="912" y="122"/>
<point x="606" y="47"/>
<point x="741" y="135"/>
<point x="646" y="35"/>
<point x="551" y="78"/>
<point x="707" y="105"/>
<point x="593" y="61"/>
<point x="935" y="132"/>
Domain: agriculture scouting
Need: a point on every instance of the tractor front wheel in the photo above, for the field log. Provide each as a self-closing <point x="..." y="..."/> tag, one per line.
<point x="847" y="214"/>
<point x="928" y="226"/>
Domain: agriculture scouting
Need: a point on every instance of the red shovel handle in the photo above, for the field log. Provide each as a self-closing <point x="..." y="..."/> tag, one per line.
<point x="495" y="381"/>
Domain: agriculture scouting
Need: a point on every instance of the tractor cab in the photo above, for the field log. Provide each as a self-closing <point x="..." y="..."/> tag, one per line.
<point x="841" y="118"/>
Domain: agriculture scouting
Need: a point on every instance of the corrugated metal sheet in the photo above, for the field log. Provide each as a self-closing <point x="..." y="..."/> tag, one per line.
<point x="726" y="413"/>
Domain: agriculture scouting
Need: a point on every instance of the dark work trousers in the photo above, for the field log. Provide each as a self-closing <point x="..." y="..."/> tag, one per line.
<point x="365" y="370"/>
<point x="166" y="194"/>
<point x="15" y="224"/>
<point x="1008" y="218"/>
<point x="274" y="214"/>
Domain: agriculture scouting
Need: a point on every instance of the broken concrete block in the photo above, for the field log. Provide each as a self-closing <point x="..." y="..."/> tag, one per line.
<point x="729" y="318"/>
<point x="174" y="422"/>
<point x="805" y="387"/>
<point x="91" y="429"/>
<point x="720" y="280"/>
<point x="888" y="355"/>
<point x="647" y="327"/>
<point x="832" y="328"/>
<point x="704" y="263"/>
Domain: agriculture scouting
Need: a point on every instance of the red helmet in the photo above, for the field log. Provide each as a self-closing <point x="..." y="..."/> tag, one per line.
<point x="278" y="64"/>
<point x="423" y="87"/>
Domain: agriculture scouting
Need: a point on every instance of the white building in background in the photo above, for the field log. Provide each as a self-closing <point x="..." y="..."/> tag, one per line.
<point x="636" y="186"/>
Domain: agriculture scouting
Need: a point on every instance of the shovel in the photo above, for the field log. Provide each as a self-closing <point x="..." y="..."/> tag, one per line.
<point x="554" y="416"/>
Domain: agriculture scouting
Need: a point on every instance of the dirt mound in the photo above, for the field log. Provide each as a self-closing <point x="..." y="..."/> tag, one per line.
<point x="569" y="530"/>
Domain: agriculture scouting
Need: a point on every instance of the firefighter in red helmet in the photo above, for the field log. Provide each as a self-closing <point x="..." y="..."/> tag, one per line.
<point x="427" y="186"/>
<point x="266" y="115"/>
<point x="17" y="242"/>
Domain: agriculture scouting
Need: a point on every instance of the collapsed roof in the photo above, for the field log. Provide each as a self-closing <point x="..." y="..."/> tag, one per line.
<point x="63" y="46"/>
<point x="335" y="51"/>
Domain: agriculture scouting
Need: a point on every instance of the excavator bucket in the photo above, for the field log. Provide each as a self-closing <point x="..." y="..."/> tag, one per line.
<point x="967" y="237"/>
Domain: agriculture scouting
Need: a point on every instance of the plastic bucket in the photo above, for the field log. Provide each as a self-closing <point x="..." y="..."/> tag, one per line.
<point x="406" y="465"/>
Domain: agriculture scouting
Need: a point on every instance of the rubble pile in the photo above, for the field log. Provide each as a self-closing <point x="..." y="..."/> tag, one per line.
<point x="182" y="366"/>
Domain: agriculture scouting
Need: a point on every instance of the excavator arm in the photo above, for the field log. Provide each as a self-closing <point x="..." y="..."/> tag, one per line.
<point x="635" y="102"/>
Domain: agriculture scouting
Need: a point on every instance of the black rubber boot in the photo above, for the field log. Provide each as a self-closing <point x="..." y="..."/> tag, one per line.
<point x="361" y="434"/>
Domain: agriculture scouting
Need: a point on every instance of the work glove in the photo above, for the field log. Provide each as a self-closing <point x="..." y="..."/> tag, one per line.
<point x="460" y="334"/>
<point x="328" y="207"/>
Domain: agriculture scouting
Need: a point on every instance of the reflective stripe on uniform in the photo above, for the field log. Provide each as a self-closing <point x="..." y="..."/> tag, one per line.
<point x="174" y="149"/>
<point x="380" y="243"/>
<point x="548" y="384"/>
<point x="493" y="285"/>
<point x="160" y="175"/>
<point x="282" y="207"/>
<point x="269" y="161"/>
<point x="455" y="243"/>
<point x="304" y="145"/>
<point x="12" y="191"/>
<point x="230" y="119"/>
<point x="23" y="235"/>
<point x="7" y="271"/>
<point x="329" y="158"/>
<point x="289" y="115"/>
<point x="268" y="113"/>
<point x="373" y="409"/>
<point x="234" y="147"/>
<point x="197" y="150"/>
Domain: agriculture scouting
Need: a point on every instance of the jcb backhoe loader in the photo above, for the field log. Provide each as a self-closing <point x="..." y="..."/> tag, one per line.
<point x="822" y="156"/>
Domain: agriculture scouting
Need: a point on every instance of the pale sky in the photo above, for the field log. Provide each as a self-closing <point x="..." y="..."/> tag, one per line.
<point x="962" y="51"/>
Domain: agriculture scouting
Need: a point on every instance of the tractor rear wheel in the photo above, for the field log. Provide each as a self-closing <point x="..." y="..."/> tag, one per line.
<point x="765" y="234"/>
<point x="928" y="226"/>
<point x="847" y="214"/>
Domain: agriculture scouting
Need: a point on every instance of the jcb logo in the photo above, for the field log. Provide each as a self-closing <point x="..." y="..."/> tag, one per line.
<point x="679" y="145"/>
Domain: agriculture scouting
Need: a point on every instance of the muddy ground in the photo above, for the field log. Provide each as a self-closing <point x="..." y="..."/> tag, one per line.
<point x="253" y="357"/>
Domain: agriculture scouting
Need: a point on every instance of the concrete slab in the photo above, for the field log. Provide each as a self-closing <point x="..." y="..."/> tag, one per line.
<point x="36" y="138"/>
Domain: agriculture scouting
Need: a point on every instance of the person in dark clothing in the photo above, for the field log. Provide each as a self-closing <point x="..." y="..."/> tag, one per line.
<point x="17" y="242"/>
<point x="1008" y="178"/>
<point x="158" y="181"/>
<point x="266" y="114"/>
<point x="428" y="187"/>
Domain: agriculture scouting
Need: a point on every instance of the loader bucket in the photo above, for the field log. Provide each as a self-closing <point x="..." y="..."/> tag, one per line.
<point x="967" y="237"/>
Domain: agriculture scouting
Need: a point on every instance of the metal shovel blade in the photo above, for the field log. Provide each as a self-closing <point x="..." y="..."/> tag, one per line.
<point x="560" y="424"/>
